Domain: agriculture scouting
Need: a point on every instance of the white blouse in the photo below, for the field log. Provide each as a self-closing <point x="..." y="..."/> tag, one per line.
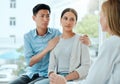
<point x="106" y="69"/>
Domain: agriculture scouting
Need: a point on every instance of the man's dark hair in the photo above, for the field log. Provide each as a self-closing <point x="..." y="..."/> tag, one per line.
<point x="40" y="7"/>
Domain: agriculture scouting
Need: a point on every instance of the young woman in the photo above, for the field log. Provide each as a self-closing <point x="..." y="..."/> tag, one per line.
<point x="70" y="58"/>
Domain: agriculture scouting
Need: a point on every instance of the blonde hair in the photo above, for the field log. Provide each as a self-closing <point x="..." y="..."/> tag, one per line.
<point x="111" y="10"/>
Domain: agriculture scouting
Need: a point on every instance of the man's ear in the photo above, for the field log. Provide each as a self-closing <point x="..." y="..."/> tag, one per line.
<point x="60" y="21"/>
<point x="33" y="17"/>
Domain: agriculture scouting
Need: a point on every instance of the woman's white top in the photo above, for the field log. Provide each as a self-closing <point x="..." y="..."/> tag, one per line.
<point x="106" y="69"/>
<point x="78" y="60"/>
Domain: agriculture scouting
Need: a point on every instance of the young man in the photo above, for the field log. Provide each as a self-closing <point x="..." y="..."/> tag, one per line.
<point x="37" y="46"/>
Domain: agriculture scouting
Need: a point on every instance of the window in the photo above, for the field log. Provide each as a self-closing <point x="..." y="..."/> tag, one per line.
<point x="12" y="3"/>
<point x="12" y="21"/>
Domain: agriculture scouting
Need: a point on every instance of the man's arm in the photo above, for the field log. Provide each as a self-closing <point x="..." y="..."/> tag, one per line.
<point x="85" y="40"/>
<point x="36" y="58"/>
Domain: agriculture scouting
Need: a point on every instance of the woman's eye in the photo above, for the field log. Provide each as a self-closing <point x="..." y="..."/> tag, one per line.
<point x="72" y="19"/>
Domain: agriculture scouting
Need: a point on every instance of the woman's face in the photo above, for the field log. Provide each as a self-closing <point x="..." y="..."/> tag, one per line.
<point x="103" y="22"/>
<point x="68" y="21"/>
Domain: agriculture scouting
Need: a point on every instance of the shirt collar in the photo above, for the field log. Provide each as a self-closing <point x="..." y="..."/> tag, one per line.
<point x="35" y="32"/>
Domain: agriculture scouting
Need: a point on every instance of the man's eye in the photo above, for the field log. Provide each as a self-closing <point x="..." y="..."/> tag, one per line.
<point x="47" y="16"/>
<point x="65" y="18"/>
<point x="41" y="15"/>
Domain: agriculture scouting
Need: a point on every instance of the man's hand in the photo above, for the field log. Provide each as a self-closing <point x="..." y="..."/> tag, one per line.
<point x="85" y="39"/>
<point x="57" y="79"/>
<point x="52" y="43"/>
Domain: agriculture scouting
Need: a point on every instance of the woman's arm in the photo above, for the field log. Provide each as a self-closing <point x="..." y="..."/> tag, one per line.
<point x="83" y="69"/>
<point x="52" y="63"/>
<point x="72" y="76"/>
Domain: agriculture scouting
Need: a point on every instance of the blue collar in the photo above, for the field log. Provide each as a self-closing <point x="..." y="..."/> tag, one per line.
<point x="35" y="32"/>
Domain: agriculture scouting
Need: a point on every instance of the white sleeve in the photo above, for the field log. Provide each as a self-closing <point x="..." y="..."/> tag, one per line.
<point x="52" y="62"/>
<point x="115" y="73"/>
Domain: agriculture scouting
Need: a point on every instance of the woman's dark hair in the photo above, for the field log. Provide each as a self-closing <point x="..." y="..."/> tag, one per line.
<point x="40" y="7"/>
<point x="70" y="10"/>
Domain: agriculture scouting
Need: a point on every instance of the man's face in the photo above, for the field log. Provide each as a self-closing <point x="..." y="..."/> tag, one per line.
<point x="42" y="18"/>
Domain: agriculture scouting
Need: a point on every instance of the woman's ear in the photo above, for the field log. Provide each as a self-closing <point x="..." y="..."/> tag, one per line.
<point x="75" y="22"/>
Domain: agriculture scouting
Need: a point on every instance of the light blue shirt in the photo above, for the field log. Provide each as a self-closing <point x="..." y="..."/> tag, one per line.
<point x="34" y="44"/>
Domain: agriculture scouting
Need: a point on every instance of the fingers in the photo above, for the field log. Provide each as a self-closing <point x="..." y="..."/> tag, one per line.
<point x="85" y="35"/>
<point x="52" y="43"/>
<point x="57" y="79"/>
<point x="53" y="78"/>
<point x="61" y="80"/>
<point x="56" y="38"/>
<point x="85" y="40"/>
